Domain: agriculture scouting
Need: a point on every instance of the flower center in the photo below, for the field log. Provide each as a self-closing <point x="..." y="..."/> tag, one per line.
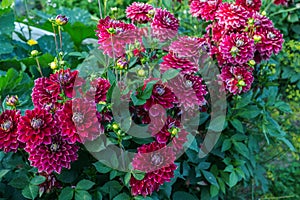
<point x="6" y="126"/>
<point x="157" y="159"/>
<point x="36" y="123"/>
<point x="167" y="20"/>
<point x="271" y="35"/>
<point x="239" y="43"/>
<point x="234" y="50"/>
<point x="77" y="117"/>
<point x="249" y="2"/>
<point x="160" y="90"/>
<point x="188" y="83"/>
<point x="54" y="147"/>
<point x="64" y="78"/>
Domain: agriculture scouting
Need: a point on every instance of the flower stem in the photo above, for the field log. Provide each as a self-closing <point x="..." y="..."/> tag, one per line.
<point x="100" y="9"/>
<point x="39" y="66"/>
<point x="283" y="11"/>
<point x="55" y="40"/>
<point x="60" y="38"/>
<point x="1" y="105"/>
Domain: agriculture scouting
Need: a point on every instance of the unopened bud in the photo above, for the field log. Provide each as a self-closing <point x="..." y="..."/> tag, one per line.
<point x="34" y="53"/>
<point x="61" y="20"/>
<point x="141" y="73"/>
<point x="32" y="42"/>
<point x="12" y="101"/>
<point x="257" y="38"/>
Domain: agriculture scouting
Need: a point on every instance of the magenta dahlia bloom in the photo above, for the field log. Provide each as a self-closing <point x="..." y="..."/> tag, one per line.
<point x="188" y="48"/>
<point x="78" y="121"/>
<point x="161" y="95"/>
<point x="171" y="61"/>
<point x="114" y="35"/>
<point x="204" y="9"/>
<point x="63" y="81"/>
<point x="98" y="90"/>
<point x="164" y="25"/>
<point x="261" y="22"/>
<point x="138" y="112"/>
<point x="251" y="5"/>
<point x="157" y="161"/>
<point x="139" y="12"/>
<point x="236" y="79"/>
<point x="232" y="16"/>
<point x="35" y="128"/>
<point x="54" y="156"/>
<point x="42" y="97"/>
<point x="9" y="121"/>
<point x="104" y="117"/>
<point x="270" y="43"/>
<point x="50" y="184"/>
<point x="189" y="90"/>
<point x="236" y="48"/>
<point x="281" y="2"/>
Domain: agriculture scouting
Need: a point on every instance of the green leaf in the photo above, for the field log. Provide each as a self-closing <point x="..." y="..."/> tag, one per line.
<point x="180" y="195"/>
<point x="210" y="178"/>
<point x="101" y="168"/>
<point x="3" y="172"/>
<point x="84" y="185"/>
<point x="226" y="145"/>
<point x="242" y="149"/>
<point x="284" y="107"/>
<point x="122" y="196"/>
<point x="138" y="175"/>
<point x="233" y="179"/>
<point x="127" y="178"/>
<point x="37" y="180"/>
<point x="31" y="191"/>
<point x="6" y="3"/>
<point x="7" y="19"/>
<point x="229" y="168"/>
<point x="217" y="124"/>
<point x="19" y="182"/>
<point x="214" y="191"/>
<point x="82" y="195"/>
<point x="66" y="194"/>
<point x="221" y="184"/>
<point x="112" y="188"/>
<point x="237" y="124"/>
<point x="293" y="17"/>
<point x="249" y="112"/>
<point x="170" y="74"/>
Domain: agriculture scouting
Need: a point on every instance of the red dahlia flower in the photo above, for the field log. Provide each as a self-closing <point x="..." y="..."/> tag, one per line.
<point x="204" y="9"/>
<point x="232" y="16"/>
<point x="251" y="5"/>
<point x="281" y="2"/>
<point x="164" y="25"/>
<point x="54" y="156"/>
<point x="62" y="81"/>
<point x="9" y="121"/>
<point x="98" y="90"/>
<point x="114" y="35"/>
<point x="172" y="61"/>
<point x="236" y="48"/>
<point x="35" y="128"/>
<point x="78" y="121"/>
<point x="157" y="161"/>
<point x="139" y="12"/>
<point x="236" y="79"/>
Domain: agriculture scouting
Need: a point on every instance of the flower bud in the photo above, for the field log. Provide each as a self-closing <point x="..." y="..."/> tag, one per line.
<point x="61" y="20"/>
<point x="115" y="126"/>
<point x="252" y="63"/>
<point x="111" y="30"/>
<point x="53" y="65"/>
<point x="141" y="73"/>
<point x="32" y="42"/>
<point x="263" y="13"/>
<point x="34" y="53"/>
<point x="12" y="101"/>
<point x="257" y="38"/>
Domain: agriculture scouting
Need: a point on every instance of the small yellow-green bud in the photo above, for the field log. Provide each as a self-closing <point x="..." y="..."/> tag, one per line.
<point x="141" y="73"/>
<point x="32" y="42"/>
<point x="257" y="38"/>
<point x="34" y="53"/>
<point x="252" y="63"/>
<point x="115" y="126"/>
<point x="53" y="65"/>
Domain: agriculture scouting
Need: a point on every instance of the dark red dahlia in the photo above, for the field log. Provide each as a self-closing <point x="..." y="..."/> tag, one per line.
<point x="42" y="97"/>
<point x="189" y="90"/>
<point x="78" y="121"/>
<point x="98" y="90"/>
<point x="63" y="81"/>
<point x="54" y="156"/>
<point x="157" y="161"/>
<point x="232" y="16"/>
<point x="138" y="112"/>
<point x="164" y="25"/>
<point x="270" y="42"/>
<point x="216" y="31"/>
<point x="9" y="121"/>
<point x="205" y="9"/>
<point x="35" y="128"/>
<point x="171" y="61"/>
<point x="281" y="2"/>
<point x="187" y="48"/>
<point x="104" y="117"/>
<point x="251" y="5"/>
<point x="236" y="48"/>
<point x="261" y="21"/>
<point x="161" y="95"/>
<point x="114" y="35"/>
<point x="139" y="12"/>
<point x="236" y="79"/>
<point x="50" y="183"/>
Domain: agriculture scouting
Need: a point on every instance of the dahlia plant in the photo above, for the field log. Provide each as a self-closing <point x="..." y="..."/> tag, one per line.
<point x="135" y="114"/>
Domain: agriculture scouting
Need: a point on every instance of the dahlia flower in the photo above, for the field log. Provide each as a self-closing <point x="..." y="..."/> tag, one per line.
<point x="236" y="79"/>
<point x="251" y="5"/>
<point x="9" y="121"/>
<point x="261" y="21"/>
<point x="236" y="48"/>
<point x="98" y="90"/>
<point x="164" y="25"/>
<point x="171" y="61"/>
<point x="114" y="35"/>
<point x="139" y="12"/>
<point x="104" y="117"/>
<point x="35" y="128"/>
<point x="215" y="31"/>
<point x="187" y="48"/>
<point x="62" y="81"/>
<point x="161" y="95"/>
<point x="281" y="2"/>
<point x="52" y="157"/>
<point x="50" y="183"/>
<point x="138" y="112"/>
<point x="157" y="161"/>
<point x="204" y="9"/>
<point x="78" y="121"/>
<point x="232" y="16"/>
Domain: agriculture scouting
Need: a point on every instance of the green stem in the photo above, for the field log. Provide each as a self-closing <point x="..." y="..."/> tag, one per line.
<point x="27" y="16"/>
<point x="283" y="11"/>
<point x="2" y="108"/>
<point x="100" y="9"/>
<point x="39" y="66"/>
<point x="56" y="45"/>
<point x="60" y="38"/>
<point x="268" y="6"/>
